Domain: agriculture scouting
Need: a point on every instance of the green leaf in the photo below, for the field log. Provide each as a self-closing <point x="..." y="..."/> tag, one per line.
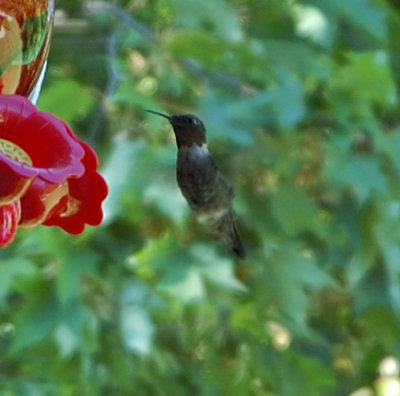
<point x="67" y="100"/>
<point x="294" y="211"/>
<point x="185" y="268"/>
<point x="137" y="328"/>
<point x="367" y="76"/>
<point x="364" y="175"/>
<point x="117" y="172"/>
<point x="76" y="265"/>
<point x="245" y="318"/>
<point x="365" y="15"/>
<point x="387" y="233"/>
<point x="215" y="267"/>
<point x="67" y="340"/>
<point x="291" y="57"/>
<point x="191" y="45"/>
<point x="288" y="103"/>
<point x="291" y="274"/>
<point x="382" y="323"/>
<point x="13" y="270"/>
<point x="185" y="284"/>
<point x="38" y="316"/>
<point x="218" y="14"/>
<point x="145" y="173"/>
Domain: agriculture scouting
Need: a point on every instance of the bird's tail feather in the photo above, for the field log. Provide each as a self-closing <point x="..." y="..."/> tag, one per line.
<point x="227" y="229"/>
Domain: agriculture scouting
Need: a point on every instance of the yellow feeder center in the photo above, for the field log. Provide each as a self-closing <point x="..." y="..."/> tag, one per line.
<point x="11" y="150"/>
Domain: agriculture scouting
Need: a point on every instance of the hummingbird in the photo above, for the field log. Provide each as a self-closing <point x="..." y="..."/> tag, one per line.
<point x="207" y="192"/>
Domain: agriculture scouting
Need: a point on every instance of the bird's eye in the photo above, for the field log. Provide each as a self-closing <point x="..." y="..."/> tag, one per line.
<point x="190" y="120"/>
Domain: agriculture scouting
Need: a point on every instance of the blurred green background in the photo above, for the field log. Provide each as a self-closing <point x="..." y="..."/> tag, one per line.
<point x="301" y="103"/>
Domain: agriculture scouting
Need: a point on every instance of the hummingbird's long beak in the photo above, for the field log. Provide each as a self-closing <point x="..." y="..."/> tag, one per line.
<point x="160" y="114"/>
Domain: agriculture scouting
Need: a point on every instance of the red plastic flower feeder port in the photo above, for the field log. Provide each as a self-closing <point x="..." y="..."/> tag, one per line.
<point x="47" y="175"/>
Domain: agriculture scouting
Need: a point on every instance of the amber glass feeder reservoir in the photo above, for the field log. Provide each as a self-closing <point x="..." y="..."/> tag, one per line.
<point x="25" y="30"/>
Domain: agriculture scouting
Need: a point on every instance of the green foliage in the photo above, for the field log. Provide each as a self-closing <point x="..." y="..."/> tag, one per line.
<point x="300" y="100"/>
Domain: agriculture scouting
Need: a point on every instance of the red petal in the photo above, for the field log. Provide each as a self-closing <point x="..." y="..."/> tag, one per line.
<point x="12" y="185"/>
<point x="9" y="218"/>
<point x="84" y="199"/>
<point x="39" y="200"/>
<point x="55" y="155"/>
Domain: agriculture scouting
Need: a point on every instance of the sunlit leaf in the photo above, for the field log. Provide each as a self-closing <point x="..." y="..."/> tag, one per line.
<point x="136" y="327"/>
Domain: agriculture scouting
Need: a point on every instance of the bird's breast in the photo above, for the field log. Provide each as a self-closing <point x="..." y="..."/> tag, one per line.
<point x="200" y="181"/>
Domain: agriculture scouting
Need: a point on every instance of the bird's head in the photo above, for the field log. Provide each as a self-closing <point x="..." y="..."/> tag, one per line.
<point x="188" y="128"/>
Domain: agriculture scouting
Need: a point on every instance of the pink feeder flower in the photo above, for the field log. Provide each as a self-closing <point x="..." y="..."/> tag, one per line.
<point x="47" y="175"/>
